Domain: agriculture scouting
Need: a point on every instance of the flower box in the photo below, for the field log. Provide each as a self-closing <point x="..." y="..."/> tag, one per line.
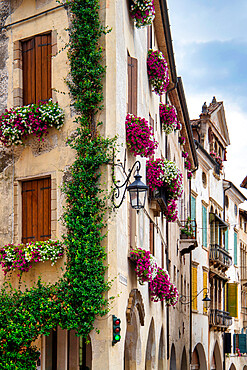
<point x="34" y="119"/>
<point x="168" y="118"/>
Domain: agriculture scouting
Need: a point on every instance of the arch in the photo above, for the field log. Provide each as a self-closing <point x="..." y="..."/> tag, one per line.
<point x="199" y="358"/>
<point x="135" y="300"/>
<point x="184" y="361"/>
<point x="150" y="348"/>
<point x="132" y="344"/>
<point x="216" y="361"/>
<point x="232" y="367"/>
<point x="173" y="365"/>
<point x="161" y="356"/>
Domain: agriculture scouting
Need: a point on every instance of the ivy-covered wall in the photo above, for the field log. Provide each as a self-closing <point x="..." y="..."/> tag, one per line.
<point x="79" y="296"/>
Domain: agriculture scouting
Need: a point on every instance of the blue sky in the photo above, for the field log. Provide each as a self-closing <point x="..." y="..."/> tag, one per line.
<point x="210" y="47"/>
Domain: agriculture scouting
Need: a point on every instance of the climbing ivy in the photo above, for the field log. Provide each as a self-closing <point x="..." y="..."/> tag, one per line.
<point x="79" y="296"/>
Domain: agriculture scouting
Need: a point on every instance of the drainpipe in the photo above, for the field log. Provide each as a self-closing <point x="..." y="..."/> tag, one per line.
<point x="167" y="267"/>
<point x="190" y="350"/>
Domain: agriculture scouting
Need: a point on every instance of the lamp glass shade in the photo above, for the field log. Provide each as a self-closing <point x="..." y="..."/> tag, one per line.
<point x="137" y="191"/>
<point x="206" y="300"/>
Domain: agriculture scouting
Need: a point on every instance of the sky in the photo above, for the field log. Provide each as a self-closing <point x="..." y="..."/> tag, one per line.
<point x="210" y="48"/>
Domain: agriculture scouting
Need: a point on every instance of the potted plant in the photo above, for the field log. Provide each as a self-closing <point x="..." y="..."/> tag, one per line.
<point x="157" y="69"/>
<point x="168" y="118"/>
<point x="143" y="12"/>
<point x="139" y="136"/>
<point x="146" y="266"/>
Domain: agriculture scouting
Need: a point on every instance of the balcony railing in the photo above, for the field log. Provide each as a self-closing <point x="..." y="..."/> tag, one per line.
<point x="188" y="229"/>
<point x="219" y="256"/>
<point x="220" y="319"/>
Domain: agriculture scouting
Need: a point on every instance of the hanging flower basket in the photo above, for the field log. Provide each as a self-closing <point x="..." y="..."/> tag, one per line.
<point x="168" y="118"/>
<point x="143" y="12"/>
<point x="18" y="123"/>
<point x="139" y="136"/>
<point x="171" y="211"/>
<point x="162" y="289"/>
<point x="146" y="266"/>
<point x="157" y="71"/>
<point x="161" y="172"/>
<point x="22" y="256"/>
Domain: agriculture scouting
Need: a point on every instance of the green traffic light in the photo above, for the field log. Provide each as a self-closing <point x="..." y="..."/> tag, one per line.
<point x="117" y="337"/>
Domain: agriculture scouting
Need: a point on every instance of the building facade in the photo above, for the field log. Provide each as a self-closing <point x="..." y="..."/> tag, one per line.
<point x="35" y="67"/>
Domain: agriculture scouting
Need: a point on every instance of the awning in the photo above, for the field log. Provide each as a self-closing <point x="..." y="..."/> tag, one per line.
<point x="215" y="218"/>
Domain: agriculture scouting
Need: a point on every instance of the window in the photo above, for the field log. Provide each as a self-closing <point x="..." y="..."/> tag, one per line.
<point x="232" y="292"/>
<point x="235" y="248"/>
<point x="36" y="65"/>
<point x="194" y="288"/>
<point x="36" y="210"/>
<point x="132" y="85"/>
<point x="204" y="226"/>
<point x="204" y="180"/>
<point x="149" y="37"/>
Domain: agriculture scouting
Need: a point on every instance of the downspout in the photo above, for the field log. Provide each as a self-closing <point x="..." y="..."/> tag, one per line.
<point x="167" y="267"/>
<point x="190" y="349"/>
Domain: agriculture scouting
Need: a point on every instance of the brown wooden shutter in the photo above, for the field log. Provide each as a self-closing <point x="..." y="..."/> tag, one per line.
<point x="132" y="85"/>
<point x="36" y="210"/>
<point x="151" y="238"/>
<point x="149" y="37"/>
<point x="36" y="59"/>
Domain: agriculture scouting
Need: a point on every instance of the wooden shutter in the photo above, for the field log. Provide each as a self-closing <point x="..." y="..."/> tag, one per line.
<point x="205" y="285"/>
<point x="232" y="299"/>
<point x="204" y="226"/>
<point x="132" y="226"/>
<point x="194" y="288"/>
<point x="132" y="85"/>
<point x="242" y="343"/>
<point x="151" y="238"/>
<point x="227" y="342"/>
<point x="235" y="248"/>
<point x="36" y="210"/>
<point x="226" y="239"/>
<point x="36" y="59"/>
<point x="149" y="37"/>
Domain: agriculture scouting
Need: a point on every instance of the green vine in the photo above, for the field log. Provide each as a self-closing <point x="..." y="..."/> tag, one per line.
<point x="79" y="296"/>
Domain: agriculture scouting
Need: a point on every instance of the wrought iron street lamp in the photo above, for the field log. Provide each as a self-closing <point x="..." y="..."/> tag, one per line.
<point x="137" y="190"/>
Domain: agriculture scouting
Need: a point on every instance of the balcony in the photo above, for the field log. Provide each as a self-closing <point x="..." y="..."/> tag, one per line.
<point x="158" y="199"/>
<point x="219" y="257"/>
<point x="188" y="232"/>
<point x="219" y="320"/>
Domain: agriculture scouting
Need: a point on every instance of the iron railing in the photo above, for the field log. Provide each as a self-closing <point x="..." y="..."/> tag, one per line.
<point x="220" y="318"/>
<point x="188" y="229"/>
<point x="220" y="255"/>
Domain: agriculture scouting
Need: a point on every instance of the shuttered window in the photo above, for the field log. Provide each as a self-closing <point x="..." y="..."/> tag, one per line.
<point x="36" y="64"/>
<point x="204" y="226"/>
<point x="239" y="341"/>
<point x="235" y="248"/>
<point x="132" y="85"/>
<point x="194" y="288"/>
<point x="226" y="239"/>
<point x="232" y="292"/>
<point x="205" y="285"/>
<point x="36" y="210"/>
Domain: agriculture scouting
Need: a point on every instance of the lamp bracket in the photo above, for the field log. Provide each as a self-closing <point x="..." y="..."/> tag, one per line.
<point x="183" y="298"/>
<point x="117" y="187"/>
